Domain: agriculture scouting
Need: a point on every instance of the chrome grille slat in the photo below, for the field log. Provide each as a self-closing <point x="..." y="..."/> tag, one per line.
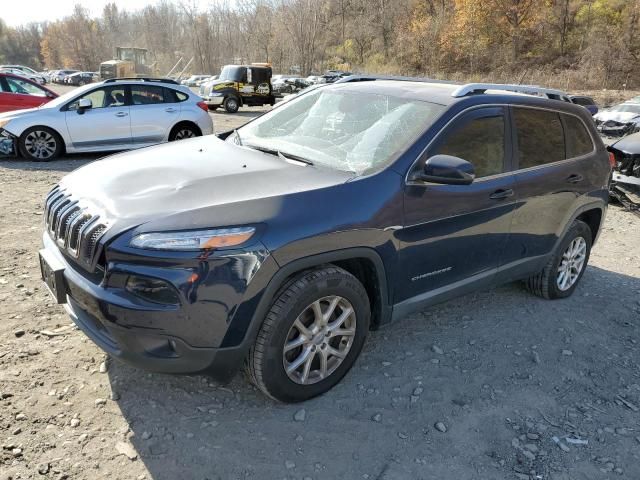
<point x="75" y="229"/>
<point x="68" y="221"/>
<point x="61" y="220"/>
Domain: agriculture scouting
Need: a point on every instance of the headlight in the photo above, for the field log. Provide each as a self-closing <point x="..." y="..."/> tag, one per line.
<point x="193" y="240"/>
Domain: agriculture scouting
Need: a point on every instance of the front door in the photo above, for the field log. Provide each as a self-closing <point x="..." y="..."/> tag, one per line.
<point x="104" y="126"/>
<point x="17" y="94"/>
<point x="455" y="234"/>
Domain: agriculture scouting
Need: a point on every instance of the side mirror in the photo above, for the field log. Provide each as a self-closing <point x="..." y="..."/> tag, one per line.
<point x="447" y="170"/>
<point x="84" y="104"/>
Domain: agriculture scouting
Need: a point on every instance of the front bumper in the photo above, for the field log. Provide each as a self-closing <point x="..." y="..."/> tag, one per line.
<point x="7" y="143"/>
<point x="615" y="129"/>
<point x="187" y="338"/>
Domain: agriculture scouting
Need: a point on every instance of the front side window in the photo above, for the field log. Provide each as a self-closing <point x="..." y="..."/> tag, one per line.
<point x="146" y="95"/>
<point x="540" y="137"/>
<point x="578" y="139"/>
<point x="15" y="85"/>
<point x="479" y="141"/>
<point x="341" y="128"/>
<point x="102" y="98"/>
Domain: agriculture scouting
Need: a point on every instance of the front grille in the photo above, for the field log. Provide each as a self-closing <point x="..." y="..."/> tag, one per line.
<point x="75" y="229"/>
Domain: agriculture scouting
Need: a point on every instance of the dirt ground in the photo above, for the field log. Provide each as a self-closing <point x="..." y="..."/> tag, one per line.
<point x="494" y="385"/>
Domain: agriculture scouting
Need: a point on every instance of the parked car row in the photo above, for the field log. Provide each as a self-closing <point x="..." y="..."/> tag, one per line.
<point x="25" y="72"/>
<point x="197" y="80"/>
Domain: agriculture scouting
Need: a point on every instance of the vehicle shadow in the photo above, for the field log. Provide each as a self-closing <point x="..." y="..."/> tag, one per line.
<point x="67" y="163"/>
<point x="500" y="353"/>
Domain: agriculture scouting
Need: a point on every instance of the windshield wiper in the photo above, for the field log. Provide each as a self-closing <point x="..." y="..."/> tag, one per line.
<point x="285" y="156"/>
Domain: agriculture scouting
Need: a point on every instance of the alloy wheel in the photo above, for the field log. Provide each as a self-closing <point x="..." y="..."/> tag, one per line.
<point x="571" y="263"/>
<point x="319" y="340"/>
<point x="40" y="144"/>
<point x="184" y="133"/>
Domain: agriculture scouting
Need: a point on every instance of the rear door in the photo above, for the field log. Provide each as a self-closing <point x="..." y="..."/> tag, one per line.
<point x="154" y="112"/>
<point x="104" y="126"/>
<point x="455" y="234"/>
<point x="554" y="155"/>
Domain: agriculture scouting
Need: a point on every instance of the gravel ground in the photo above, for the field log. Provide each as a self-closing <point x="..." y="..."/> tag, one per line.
<point x="494" y="385"/>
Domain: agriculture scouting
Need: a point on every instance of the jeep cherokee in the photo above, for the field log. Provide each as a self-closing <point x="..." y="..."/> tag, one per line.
<point x="281" y="244"/>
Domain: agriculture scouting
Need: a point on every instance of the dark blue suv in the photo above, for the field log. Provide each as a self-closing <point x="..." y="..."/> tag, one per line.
<point x="281" y="244"/>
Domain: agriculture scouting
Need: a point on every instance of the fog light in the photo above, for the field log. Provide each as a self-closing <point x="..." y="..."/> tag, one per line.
<point x="152" y="290"/>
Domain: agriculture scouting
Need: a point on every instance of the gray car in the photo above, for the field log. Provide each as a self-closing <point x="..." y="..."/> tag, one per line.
<point x="117" y="114"/>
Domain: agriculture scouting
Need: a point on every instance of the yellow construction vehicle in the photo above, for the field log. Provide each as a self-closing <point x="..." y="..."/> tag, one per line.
<point x="129" y="62"/>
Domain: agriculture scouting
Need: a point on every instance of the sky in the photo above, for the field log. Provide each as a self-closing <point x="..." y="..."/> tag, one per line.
<point x="25" y="11"/>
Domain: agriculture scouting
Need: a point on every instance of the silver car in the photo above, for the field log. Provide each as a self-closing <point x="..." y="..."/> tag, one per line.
<point x="116" y="114"/>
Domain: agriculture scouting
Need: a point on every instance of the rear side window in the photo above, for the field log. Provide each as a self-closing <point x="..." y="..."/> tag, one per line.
<point x="578" y="139"/>
<point x="174" y="96"/>
<point x="147" y="94"/>
<point x="479" y="141"/>
<point x="540" y="137"/>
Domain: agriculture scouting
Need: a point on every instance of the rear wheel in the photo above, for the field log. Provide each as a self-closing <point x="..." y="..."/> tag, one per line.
<point x="231" y="104"/>
<point x="311" y="336"/>
<point x="183" y="131"/>
<point x="560" y="277"/>
<point x="40" y="144"/>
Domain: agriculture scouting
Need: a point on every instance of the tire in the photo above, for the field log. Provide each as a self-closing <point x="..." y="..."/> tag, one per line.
<point x="231" y="104"/>
<point x="184" y="131"/>
<point x="550" y="283"/>
<point x="40" y="144"/>
<point x="325" y="287"/>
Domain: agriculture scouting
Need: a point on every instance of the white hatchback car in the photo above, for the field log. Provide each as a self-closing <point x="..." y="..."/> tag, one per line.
<point x="117" y="114"/>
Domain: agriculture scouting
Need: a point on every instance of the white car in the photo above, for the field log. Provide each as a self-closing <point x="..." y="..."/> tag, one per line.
<point x="116" y="114"/>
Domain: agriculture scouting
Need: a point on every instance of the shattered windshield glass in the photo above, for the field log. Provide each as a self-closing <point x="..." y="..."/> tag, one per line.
<point x="343" y="129"/>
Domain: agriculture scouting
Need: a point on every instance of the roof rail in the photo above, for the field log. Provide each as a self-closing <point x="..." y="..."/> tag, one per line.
<point x="367" y="78"/>
<point x="143" y="79"/>
<point x="478" y="88"/>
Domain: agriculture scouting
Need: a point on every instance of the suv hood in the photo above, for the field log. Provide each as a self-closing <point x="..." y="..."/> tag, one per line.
<point x="18" y="113"/>
<point x="157" y="182"/>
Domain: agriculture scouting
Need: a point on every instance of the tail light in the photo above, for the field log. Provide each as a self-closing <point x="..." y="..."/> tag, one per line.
<point x="203" y="106"/>
<point x="612" y="160"/>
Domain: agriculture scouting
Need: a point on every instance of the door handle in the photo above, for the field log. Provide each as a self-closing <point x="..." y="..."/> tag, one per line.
<point x="170" y="110"/>
<point x="121" y="114"/>
<point x="501" y="194"/>
<point x="575" y="178"/>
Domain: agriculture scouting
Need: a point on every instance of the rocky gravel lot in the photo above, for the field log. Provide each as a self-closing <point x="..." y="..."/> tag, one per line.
<point x="494" y="385"/>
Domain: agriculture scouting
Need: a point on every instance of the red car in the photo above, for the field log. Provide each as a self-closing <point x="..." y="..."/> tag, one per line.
<point x="17" y="92"/>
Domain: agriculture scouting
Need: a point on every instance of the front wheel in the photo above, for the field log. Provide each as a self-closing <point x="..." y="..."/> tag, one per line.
<point x="40" y="144"/>
<point x="560" y="277"/>
<point x="231" y="104"/>
<point x="311" y="336"/>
